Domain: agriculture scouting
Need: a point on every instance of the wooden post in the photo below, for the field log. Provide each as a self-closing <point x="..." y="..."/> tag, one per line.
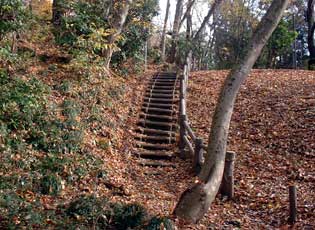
<point x="146" y="55"/>
<point x="227" y="184"/>
<point x="182" y="133"/>
<point x="182" y="118"/>
<point x="293" y="204"/>
<point x="198" y="156"/>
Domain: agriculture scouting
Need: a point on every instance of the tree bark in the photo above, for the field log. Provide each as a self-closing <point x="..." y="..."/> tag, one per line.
<point x="175" y="33"/>
<point x="311" y="27"/>
<point x="118" y="25"/>
<point x="195" y="201"/>
<point x="164" y="31"/>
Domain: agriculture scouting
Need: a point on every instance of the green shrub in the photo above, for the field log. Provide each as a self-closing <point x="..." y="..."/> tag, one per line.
<point x="23" y="106"/>
<point x="71" y="109"/>
<point x="27" y="119"/>
<point x="51" y="184"/>
<point x="90" y="210"/>
<point x="53" y="164"/>
<point x="13" y="15"/>
<point x="128" y="216"/>
<point x="156" y="223"/>
<point x="84" y="17"/>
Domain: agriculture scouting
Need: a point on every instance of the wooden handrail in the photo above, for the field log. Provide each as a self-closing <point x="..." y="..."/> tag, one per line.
<point x="188" y="138"/>
<point x="195" y="145"/>
<point x="190" y="131"/>
<point x="190" y="147"/>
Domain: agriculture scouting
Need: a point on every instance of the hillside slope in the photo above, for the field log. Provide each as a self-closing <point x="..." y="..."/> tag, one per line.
<point x="273" y="134"/>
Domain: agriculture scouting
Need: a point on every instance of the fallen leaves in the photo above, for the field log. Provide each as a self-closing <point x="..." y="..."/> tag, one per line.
<point x="273" y="133"/>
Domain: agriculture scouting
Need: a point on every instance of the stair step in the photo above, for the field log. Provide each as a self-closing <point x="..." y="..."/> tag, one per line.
<point x="158" y="105"/>
<point x="167" y="80"/>
<point x="155" y="131"/>
<point x="161" y="87"/>
<point x="155" y="163"/>
<point x="159" y="123"/>
<point x="165" y="74"/>
<point x="155" y="138"/>
<point x="153" y="146"/>
<point x="157" y="110"/>
<point x="164" y="117"/>
<point x="170" y="84"/>
<point x="159" y="95"/>
<point x="150" y="99"/>
<point x="155" y="154"/>
<point x="169" y="91"/>
<point x="163" y="78"/>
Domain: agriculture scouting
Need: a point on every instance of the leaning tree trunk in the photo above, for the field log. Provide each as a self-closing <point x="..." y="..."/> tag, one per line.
<point x="195" y="201"/>
<point x="163" y="39"/>
<point x="175" y="33"/>
<point x="205" y="21"/>
<point x="118" y="25"/>
<point x="188" y="12"/>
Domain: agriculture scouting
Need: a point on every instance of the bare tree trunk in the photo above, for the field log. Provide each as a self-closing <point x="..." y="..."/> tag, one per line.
<point x="195" y="201"/>
<point x="311" y="30"/>
<point x="164" y="31"/>
<point x="107" y="7"/>
<point x="118" y="25"/>
<point x="188" y="12"/>
<point x="13" y="45"/>
<point x="211" y="11"/>
<point x="175" y="34"/>
<point x="57" y="12"/>
<point x="189" y="20"/>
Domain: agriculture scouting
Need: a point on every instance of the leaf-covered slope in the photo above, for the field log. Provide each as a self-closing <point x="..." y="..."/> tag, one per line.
<point x="273" y="134"/>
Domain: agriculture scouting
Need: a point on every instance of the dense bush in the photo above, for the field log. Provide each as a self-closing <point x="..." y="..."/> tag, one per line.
<point x="51" y="184"/>
<point x="156" y="223"/>
<point x="86" y="28"/>
<point x="25" y="118"/>
<point x="82" y="19"/>
<point x="105" y="215"/>
<point x="136" y="31"/>
<point x="12" y="16"/>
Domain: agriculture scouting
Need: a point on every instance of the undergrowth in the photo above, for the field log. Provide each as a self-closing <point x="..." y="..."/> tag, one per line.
<point x="53" y="135"/>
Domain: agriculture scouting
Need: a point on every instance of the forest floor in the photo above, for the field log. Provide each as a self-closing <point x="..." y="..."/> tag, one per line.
<point x="273" y="134"/>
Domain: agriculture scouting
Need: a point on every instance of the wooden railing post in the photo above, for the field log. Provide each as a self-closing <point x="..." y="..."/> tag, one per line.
<point x="198" y="156"/>
<point x="293" y="204"/>
<point x="227" y="184"/>
<point x="182" y="118"/>
<point x="182" y="133"/>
